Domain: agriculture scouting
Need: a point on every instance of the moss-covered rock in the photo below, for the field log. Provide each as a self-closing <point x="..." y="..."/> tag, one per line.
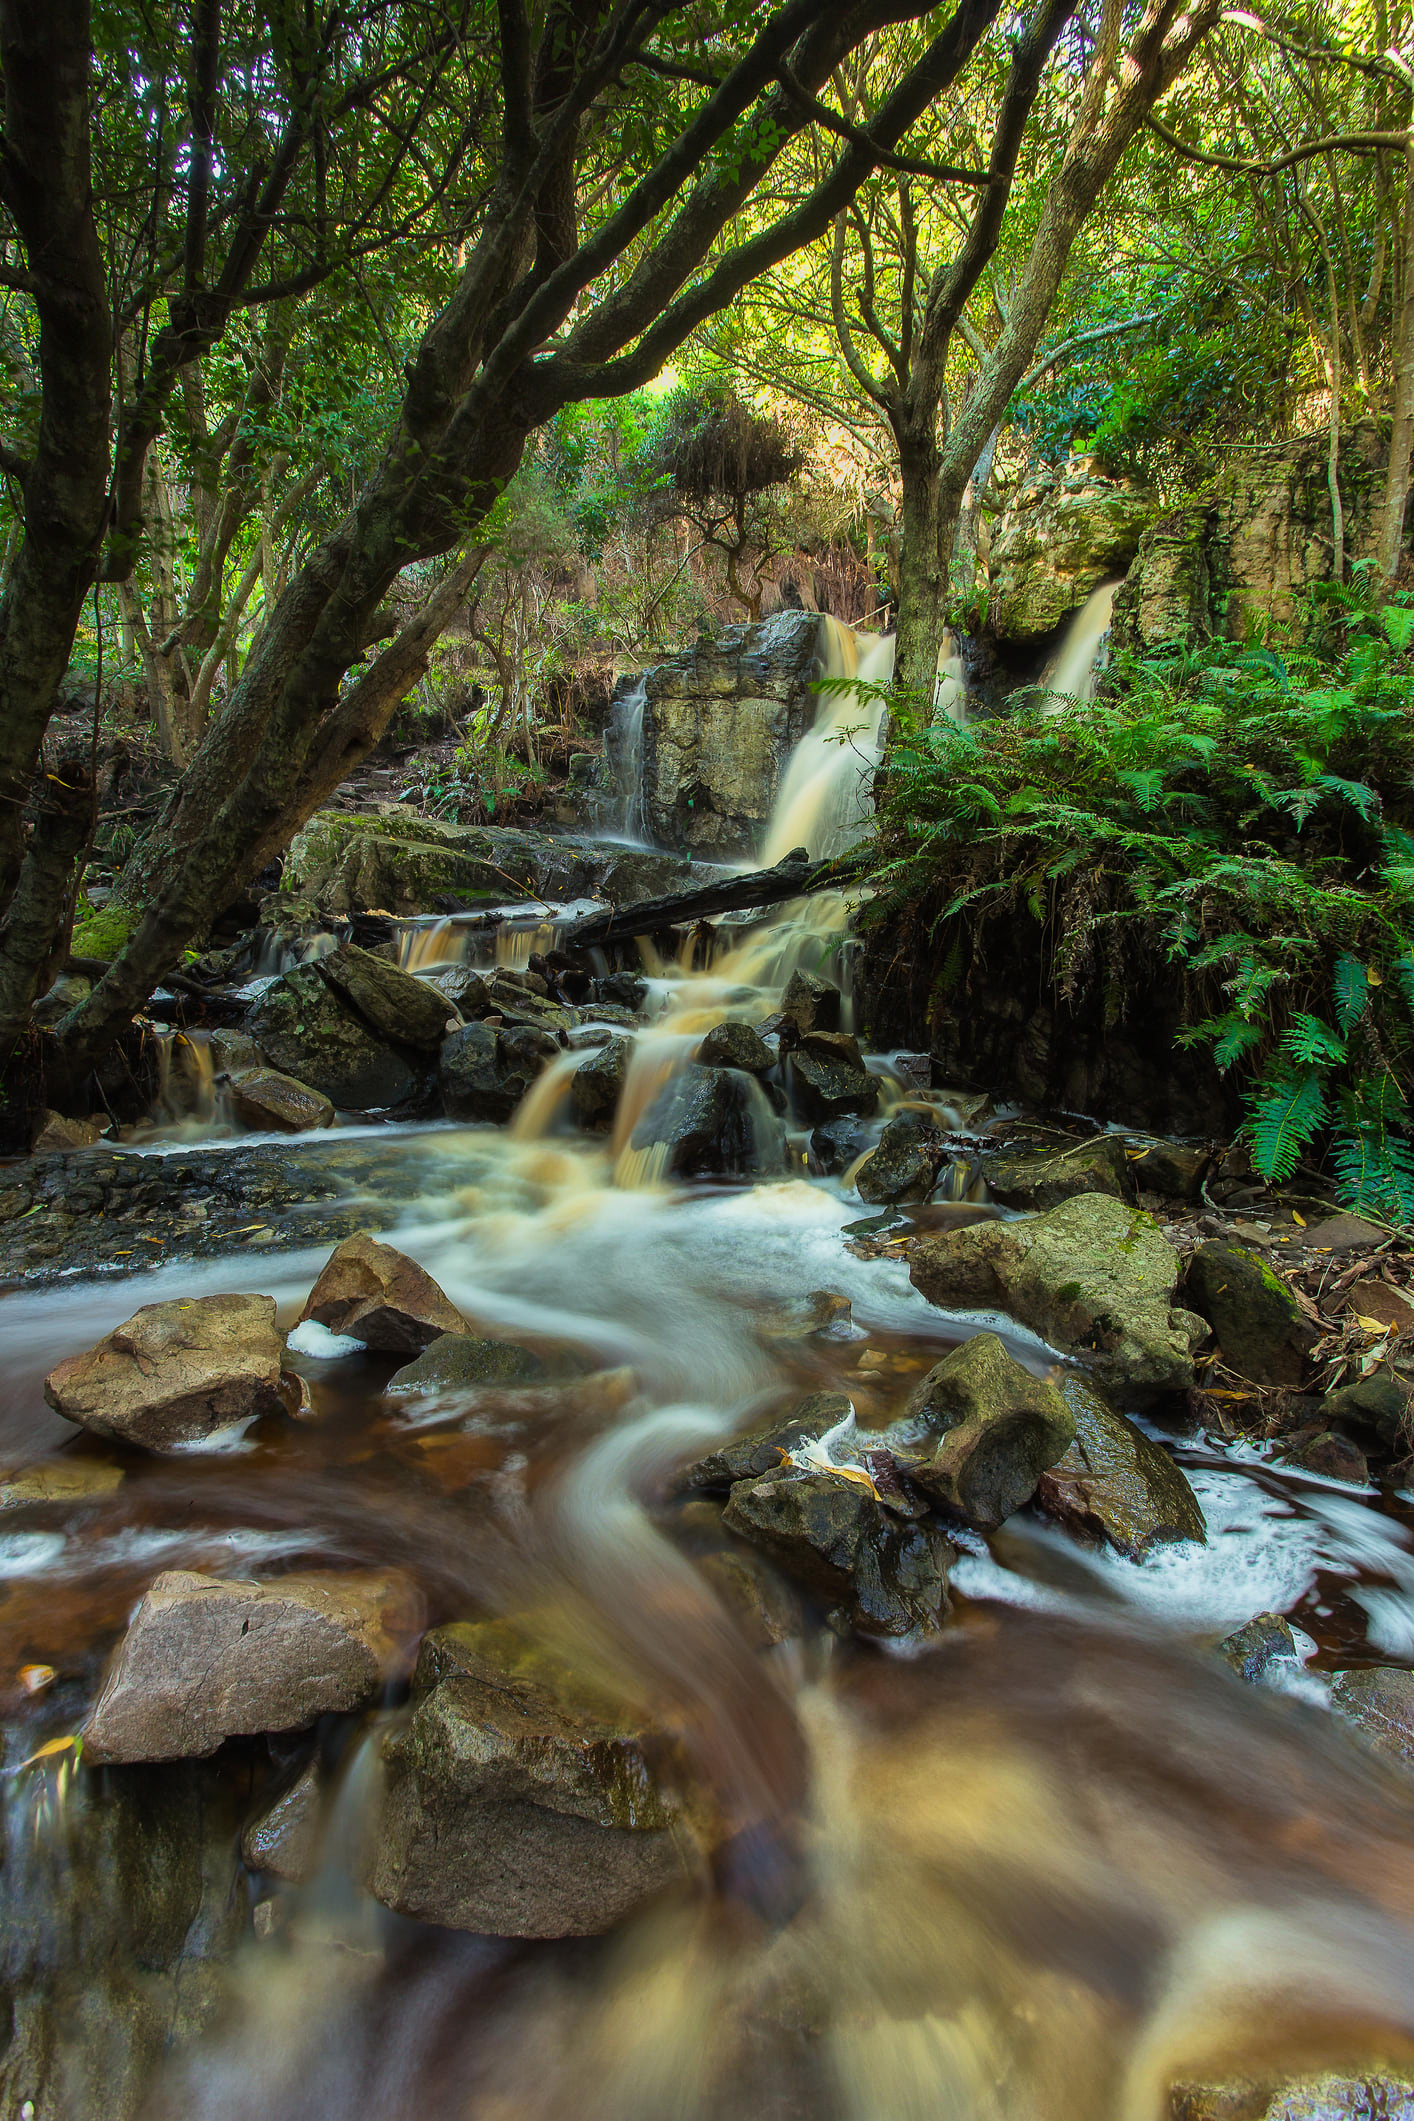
<point x="459" y="1362"/>
<point x="305" y="1030"/>
<point x="1258" y="1324"/>
<point x="102" y="933"/>
<point x="979" y="1432"/>
<point x="1067" y="529"/>
<point x="1099" y="1165"/>
<point x="1093" y="1277"/>
<point x="1115" y="1484"/>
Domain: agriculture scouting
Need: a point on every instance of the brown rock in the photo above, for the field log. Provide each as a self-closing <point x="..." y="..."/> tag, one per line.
<point x="175" y="1372"/>
<point x="56" y="1131"/>
<point x="1115" y="1484"/>
<point x="1379" y="1701"/>
<point x="205" y="1660"/>
<point x="264" y="1097"/>
<point x="58" y="1480"/>
<point x="285" y="1838"/>
<point x="980" y="1430"/>
<point x="392" y="1001"/>
<point x="382" y="1298"/>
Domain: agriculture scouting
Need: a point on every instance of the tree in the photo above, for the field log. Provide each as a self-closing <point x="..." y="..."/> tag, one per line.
<point x="726" y="465"/>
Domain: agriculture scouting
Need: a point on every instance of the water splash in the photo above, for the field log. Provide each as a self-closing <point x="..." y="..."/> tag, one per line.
<point x="625" y="749"/>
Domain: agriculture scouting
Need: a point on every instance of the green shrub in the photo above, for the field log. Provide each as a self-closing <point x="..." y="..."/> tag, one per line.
<point x="1246" y="812"/>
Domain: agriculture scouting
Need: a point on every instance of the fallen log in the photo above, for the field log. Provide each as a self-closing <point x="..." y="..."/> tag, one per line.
<point x="795" y="877"/>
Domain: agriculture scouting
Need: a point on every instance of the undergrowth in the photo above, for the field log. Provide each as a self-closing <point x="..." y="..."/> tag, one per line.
<point x="1246" y="812"/>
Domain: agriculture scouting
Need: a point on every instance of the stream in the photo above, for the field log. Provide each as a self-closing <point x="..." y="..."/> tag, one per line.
<point x="1044" y="1866"/>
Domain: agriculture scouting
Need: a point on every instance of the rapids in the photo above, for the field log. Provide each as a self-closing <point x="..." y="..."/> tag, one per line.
<point x="1040" y="1869"/>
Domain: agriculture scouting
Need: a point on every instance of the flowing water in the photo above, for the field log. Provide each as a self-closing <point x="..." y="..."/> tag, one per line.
<point x="1081" y="656"/>
<point x="1040" y="1869"/>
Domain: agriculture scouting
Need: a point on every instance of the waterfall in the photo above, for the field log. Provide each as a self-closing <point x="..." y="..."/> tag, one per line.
<point x="825" y="799"/>
<point x="1081" y="657"/>
<point x="625" y="749"/>
<point x="950" y="691"/>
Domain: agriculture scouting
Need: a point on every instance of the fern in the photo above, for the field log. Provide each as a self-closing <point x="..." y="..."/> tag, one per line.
<point x="1371" y="1150"/>
<point x="1307" y="1039"/>
<point x="1289" y="1110"/>
<point x="1350" y="982"/>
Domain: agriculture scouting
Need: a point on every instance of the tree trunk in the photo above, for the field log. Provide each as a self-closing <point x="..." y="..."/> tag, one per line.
<point x="1390" y="540"/>
<point x="43" y="894"/>
<point x="923" y="574"/>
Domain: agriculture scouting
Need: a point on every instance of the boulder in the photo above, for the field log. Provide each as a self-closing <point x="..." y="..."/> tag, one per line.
<point x="381" y="1297"/>
<point x="175" y="1372"/>
<point x="759" y="1450"/>
<point x="57" y="1131"/>
<point x="460" y="1362"/>
<point x="1379" y="1701"/>
<point x="1065" y="530"/>
<point x="979" y="1431"/>
<point x="65" y="1481"/>
<point x="1259" y="1327"/>
<point x="1331" y="1455"/>
<point x="204" y="1660"/>
<point x="1171" y="1168"/>
<point x="1093" y="1277"/>
<point x="597" y="1084"/>
<point x="735" y="1045"/>
<point x="812" y="1003"/>
<point x="396" y="1006"/>
<point x="1095" y="1166"/>
<point x="765" y="1609"/>
<point x="1330" y="2097"/>
<point x="485" y="1071"/>
<point x="265" y="1098"/>
<point x="828" y="1078"/>
<point x="1262" y="1649"/>
<point x="711" y="1122"/>
<point x="906" y="1163"/>
<point x="1377" y="1405"/>
<point x="517" y="1803"/>
<point x="284" y="1838"/>
<point x="1116" y="1484"/>
<point x="303" y="1029"/>
<point x="396" y="861"/>
<point x="878" y="1574"/>
<point x="233" y="1052"/>
<point x="838" y="1143"/>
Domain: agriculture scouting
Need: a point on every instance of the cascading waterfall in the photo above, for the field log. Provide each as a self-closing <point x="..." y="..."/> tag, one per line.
<point x="1081" y="656"/>
<point x="825" y="799"/>
<point x="625" y="750"/>
<point x="950" y="692"/>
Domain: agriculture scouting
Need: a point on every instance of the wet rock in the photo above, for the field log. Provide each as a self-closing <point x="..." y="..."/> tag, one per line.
<point x="1378" y="1404"/>
<point x="381" y="1297"/>
<point x="1256" y="1320"/>
<point x="812" y="1003"/>
<point x="712" y="1122"/>
<point x="233" y="1052"/>
<point x="396" y="861"/>
<point x="1095" y="1166"/>
<point x="835" y="1145"/>
<point x="764" y="1607"/>
<point x="828" y="1078"/>
<point x="1093" y="1277"/>
<point x="597" y="1084"/>
<point x="760" y="1449"/>
<point x="905" y="1164"/>
<point x="1115" y="1483"/>
<point x="204" y="1660"/>
<point x="979" y="1431"/>
<point x="1174" y="1169"/>
<point x="304" y="1030"/>
<point x="66" y="1480"/>
<point x="880" y="1575"/>
<point x="175" y="1372"/>
<point x="265" y="1098"/>
<point x="1342" y="2098"/>
<point x="460" y="1362"/>
<point x="56" y="1131"/>
<point x="1261" y="1649"/>
<point x="521" y="999"/>
<point x="735" y="1045"/>
<point x="468" y="991"/>
<point x="485" y="1072"/>
<point x="1379" y="1701"/>
<point x="398" y="1007"/>
<point x="284" y="1839"/>
<point x="1331" y="1455"/>
<point x="518" y="1804"/>
<point x="822" y="1314"/>
<point x="628" y="989"/>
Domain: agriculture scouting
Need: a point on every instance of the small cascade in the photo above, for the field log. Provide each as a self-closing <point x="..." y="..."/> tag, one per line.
<point x="188" y="1100"/>
<point x="825" y="798"/>
<point x="625" y="749"/>
<point x="1082" y="655"/>
<point x="950" y="691"/>
<point x="432" y="946"/>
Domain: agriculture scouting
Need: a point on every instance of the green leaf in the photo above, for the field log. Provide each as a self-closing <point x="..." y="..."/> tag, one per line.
<point x="1289" y="1109"/>
<point x="1351" y="982"/>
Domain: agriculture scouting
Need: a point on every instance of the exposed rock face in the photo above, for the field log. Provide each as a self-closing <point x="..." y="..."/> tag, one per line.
<point x="397" y="1006"/>
<point x="881" y="1575"/>
<point x="812" y="1003"/>
<point x="597" y="1083"/>
<point x="1093" y="1277"/>
<point x="266" y="1099"/>
<point x="828" y="1078"/>
<point x="57" y="1131"/>
<point x="1096" y="1166"/>
<point x="1252" y="549"/>
<point x="459" y="1362"/>
<point x="516" y="1804"/>
<point x="205" y="1660"/>
<point x="719" y="723"/>
<point x="1115" y="1483"/>
<point x="1259" y="1326"/>
<point x="175" y="1372"/>
<point x="304" y="1029"/>
<point x="1261" y="1648"/>
<point x="382" y="1298"/>
<point x="712" y="1122"/>
<point x="1380" y="1703"/>
<point x="979" y="1432"/>
<point x="759" y="1449"/>
<point x="906" y="1163"/>
<point x="1067" y="529"/>
<point x="66" y="1480"/>
<point x="485" y="1072"/>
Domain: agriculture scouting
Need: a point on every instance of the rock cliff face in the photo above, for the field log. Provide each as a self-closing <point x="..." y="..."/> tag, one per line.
<point x="1247" y="551"/>
<point x="718" y="724"/>
<point x="1066" y="530"/>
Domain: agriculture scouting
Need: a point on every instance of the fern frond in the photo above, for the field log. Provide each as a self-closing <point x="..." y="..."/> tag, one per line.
<point x="1288" y="1110"/>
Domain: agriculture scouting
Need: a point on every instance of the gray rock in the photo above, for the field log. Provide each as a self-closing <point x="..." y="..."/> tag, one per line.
<point x="735" y="1045"/>
<point x="381" y="1297"/>
<point x="1378" y="1404"/>
<point x="265" y="1098"/>
<point x="712" y="1122"/>
<point x="835" y="1145"/>
<point x="304" y="1030"/>
<point x="204" y="1660"/>
<point x="1095" y="1166"/>
<point x="1379" y="1701"/>
<point x="284" y="1838"/>
<point x="484" y="1072"/>
<point x="759" y="1449"/>
<point x="906" y="1163"/>
<point x="518" y="1804"/>
<point x="812" y="1003"/>
<point x="1331" y="1455"/>
<point x="979" y="1432"/>
<point x="1174" y="1169"/>
<point x="1066" y="529"/>
<point x="1115" y="1483"/>
<point x="881" y="1575"/>
<point x="459" y="1362"/>
<point x="1093" y="1277"/>
<point x="175" y="1372"/>
<point x="1259" y="1326"/>
<point x="597" y="1084"/>
<point x="1261" y="1648"/>
<point x="399" y="1008"/>
<point x="828" y="1079"/>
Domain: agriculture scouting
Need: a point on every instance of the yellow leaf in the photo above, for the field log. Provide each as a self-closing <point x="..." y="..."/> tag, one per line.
<point x="34" y="1678"/>
<point x="51" y="1746"/>
<point x="1375" y="979"/>
<point x="1298" y="1218"/>
<point x="1370" y="1325"/>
